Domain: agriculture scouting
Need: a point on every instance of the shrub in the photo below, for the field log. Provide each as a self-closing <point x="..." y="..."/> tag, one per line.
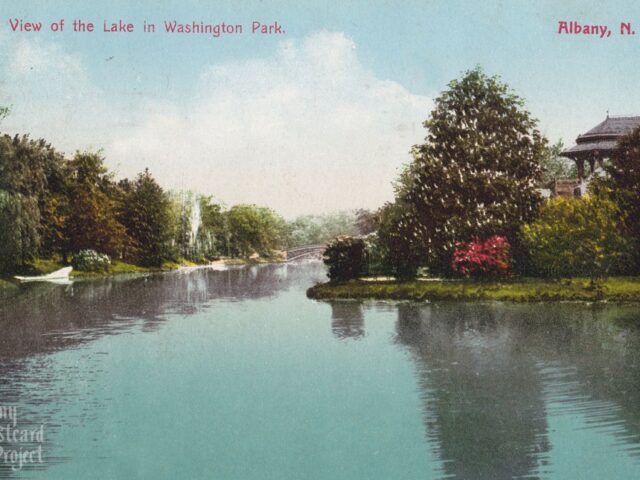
<point x="345" y="257"/>
<point x="477" y="258"/>
<point x="91" y="261"/>
<point x="578" y="236"/>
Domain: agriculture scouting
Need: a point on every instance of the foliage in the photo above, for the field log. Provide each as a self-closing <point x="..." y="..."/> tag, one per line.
<point x="374" y="255"/>
<point x="91" y="261"/>
<point x="577" y="236"/>
<point x="366" y="221"/>
<point x="26" y="168"/>
<point x="345" y="258"/>
<point x="19" y="237"/>
<point x="4" y="112"/>
<point x="478" y="258"/>
<point x="91" y="221"/>
<point x="623" y="181"/>
<point x="254" y="229"/>
<point x="213" y="233"/>
<point x="555" y="167"/>
<point x="476" y="174"/>
<point x="400" y="256"/>
<point x="51" y="207"/>
<point x="147" y="217"/>
<point x="318" y="229"/>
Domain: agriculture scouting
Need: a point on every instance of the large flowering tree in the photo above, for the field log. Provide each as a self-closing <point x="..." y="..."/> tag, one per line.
<point x="474" y="176"/>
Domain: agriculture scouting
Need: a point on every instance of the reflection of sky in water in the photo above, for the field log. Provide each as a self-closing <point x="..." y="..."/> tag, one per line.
<point x="236" y="374"/>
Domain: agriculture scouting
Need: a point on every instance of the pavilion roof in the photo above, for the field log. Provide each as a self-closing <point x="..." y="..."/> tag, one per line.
<point x="617" y="126"/>
<point x="603" y="146"/>
<point x="603" y="138"/>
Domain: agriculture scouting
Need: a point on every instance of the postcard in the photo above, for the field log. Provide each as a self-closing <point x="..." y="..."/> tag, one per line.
<point x="319" y="240"/>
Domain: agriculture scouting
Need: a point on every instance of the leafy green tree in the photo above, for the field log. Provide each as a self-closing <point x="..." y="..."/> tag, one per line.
<point x="399" y="255"/>
<point x="19" y="236"/>
<point x="182" y="210"/>
<point x="28" y="178"/>
<point x="317" y="229"/>
<point x="254" y="229"/>
<point x="578" y="236"/>
<point x="213" y="233"/>
<point x="623" y="182"/>
<point x="92" y="219"/>
<point x="146" y="214"/>
<point x="475" y="175"/>
<point x="556" y="167"/>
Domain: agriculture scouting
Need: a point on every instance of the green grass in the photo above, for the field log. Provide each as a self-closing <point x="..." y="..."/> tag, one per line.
<point x="117" y="268"/>
<point x="42" y="266"/>
<point x="519" y="290"/>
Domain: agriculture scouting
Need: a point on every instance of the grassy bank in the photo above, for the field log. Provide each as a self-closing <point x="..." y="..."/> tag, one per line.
<point x="520" y="290"/>
<point x="43" y="266"/>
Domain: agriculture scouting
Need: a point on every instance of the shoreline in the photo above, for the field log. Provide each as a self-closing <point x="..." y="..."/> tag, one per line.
<point x="43" y="267"/>
<point x="526" y="290"/>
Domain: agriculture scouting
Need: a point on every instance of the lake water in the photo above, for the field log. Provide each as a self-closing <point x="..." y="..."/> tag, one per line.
<point x="237" y="375"/>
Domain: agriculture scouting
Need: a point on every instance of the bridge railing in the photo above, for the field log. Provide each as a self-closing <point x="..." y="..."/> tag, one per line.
<point x="305" y="251"/>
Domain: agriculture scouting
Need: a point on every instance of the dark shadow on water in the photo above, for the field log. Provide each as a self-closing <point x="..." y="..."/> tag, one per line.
<point x="347" y="320"/>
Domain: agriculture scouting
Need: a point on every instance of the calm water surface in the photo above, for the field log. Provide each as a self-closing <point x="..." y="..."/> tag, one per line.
<point x="236" y="375"/>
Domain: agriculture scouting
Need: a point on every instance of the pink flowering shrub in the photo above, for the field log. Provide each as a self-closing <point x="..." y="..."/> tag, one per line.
<point x="477" y="258"/>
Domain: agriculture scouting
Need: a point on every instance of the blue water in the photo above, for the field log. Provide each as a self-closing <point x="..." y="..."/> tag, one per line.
<point x="237" y="375"/>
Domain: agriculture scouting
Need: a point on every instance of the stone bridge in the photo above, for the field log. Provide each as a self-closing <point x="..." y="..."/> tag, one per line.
<point x="305" y="251"/>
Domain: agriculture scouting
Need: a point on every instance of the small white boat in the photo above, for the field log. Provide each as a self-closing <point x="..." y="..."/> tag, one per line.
<point x="62" y="274"/>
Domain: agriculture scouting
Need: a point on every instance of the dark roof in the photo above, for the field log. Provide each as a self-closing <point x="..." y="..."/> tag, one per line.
<point x="603" y="146"/>
<point x="617" y="126"/>
<point x="603" y="137"/>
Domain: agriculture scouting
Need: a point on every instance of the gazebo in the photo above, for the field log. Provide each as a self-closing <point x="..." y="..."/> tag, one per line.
<point x="597" y="144"/>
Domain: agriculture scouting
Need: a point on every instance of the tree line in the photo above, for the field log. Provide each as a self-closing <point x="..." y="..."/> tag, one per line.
<point x="55" y="207"/>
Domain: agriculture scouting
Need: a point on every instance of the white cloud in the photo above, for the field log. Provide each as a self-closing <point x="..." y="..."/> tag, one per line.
<point x="308" y="129"/>
<point x="52" y="96"/>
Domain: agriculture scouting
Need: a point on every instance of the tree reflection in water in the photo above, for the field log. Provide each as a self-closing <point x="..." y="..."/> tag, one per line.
<point x="488" y="372"/>
<point x="347" y="320"/>
<point x="42" y="317"/>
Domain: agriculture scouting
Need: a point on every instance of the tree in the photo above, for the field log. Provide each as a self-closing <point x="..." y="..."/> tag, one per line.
<point x="147" y="218"/>
<point x="92" y="221"/>
<point x="28" y="179"/>
<point x="475" y="175"/>
<point x="556" y="167"/>
<point x="366" y="221"/>
<point x="400" y="255"/>
<point x="213" y="233"/>
<point x="578" y="236"/>
<point x="19" y="237"/>
<point x="345" y="258"/>
<point x="623" y="182"/>
<point x="254" y="229"/>
<point x="316" y="229"/>
<point x="183" y="206"/>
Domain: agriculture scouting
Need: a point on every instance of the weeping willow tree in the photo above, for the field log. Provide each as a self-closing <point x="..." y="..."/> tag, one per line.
<point x="26" y="170"/>
<point x="19" y="230"/>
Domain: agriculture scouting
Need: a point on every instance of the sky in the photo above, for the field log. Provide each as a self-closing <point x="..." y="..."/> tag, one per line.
<point x="316" y="119"/>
